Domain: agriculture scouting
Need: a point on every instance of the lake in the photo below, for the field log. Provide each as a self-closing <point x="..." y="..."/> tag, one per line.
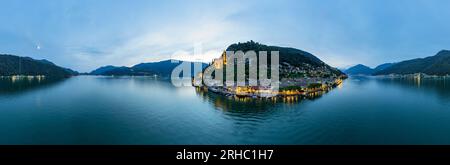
<point x="145" y="110"/>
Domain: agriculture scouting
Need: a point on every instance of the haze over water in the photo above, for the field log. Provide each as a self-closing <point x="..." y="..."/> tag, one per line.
<point x="144" y="110"/>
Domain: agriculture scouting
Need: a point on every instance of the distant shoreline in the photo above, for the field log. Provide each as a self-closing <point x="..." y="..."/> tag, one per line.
<point x="416" y="75"/>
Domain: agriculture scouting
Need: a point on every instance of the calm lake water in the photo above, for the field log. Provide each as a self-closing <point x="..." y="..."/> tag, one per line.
<point x="142" y="110"/>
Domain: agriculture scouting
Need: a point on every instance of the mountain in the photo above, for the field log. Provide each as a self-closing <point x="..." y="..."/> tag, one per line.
<point x="294" y="62"/>
<point x="382" y="67"/>
<point x="103" y="70"/>
<point x="15" y="65"/>
<point x="438" y="64"/>
<point x="359" y="70"/>
<point x="114" y="70"/>
<point x="162" y="69"/>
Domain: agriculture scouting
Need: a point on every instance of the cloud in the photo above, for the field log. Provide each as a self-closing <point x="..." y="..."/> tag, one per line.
<point x="84" y="35"/>
<point x="175" y="39"/>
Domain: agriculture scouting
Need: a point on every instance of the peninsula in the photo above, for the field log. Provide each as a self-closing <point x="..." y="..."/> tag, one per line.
<point x="301" y="74"/>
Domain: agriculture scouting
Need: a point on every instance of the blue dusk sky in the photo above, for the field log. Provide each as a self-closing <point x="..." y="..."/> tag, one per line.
<point x="86" y="34"/>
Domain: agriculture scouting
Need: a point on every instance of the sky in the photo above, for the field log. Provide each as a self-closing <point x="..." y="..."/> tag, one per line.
<point x="86" y="34"/>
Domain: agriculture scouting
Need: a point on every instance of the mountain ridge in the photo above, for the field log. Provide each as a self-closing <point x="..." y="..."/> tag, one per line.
<point x="361" y="69"/>
<point x="438" y="64"/>
<point x="293" y="62"/>
<point x="16" y="65"/>
<point x="161" y="68"/>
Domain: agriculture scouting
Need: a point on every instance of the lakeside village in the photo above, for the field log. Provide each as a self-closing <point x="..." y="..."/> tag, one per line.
<point x="415" y="76"/>
<point x="305" y="81"/>
<point x="15" y="78"/>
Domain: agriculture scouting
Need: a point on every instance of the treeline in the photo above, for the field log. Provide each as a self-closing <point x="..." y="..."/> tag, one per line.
<point x="14" y="65"/>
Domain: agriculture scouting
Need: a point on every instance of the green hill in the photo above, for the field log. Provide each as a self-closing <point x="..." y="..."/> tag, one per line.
<point x="438" y="64"/>
<point x="15" y="65"/>
<point x="161" y="68"/>
<point x="294" y="63"/>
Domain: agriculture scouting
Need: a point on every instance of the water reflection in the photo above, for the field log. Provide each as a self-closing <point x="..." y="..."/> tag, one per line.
<point x="20" y="84"/>
<point x="252" y="105"/>
<point x="430" y="86"/>
<point x="360" y="80"/>
<point x="142" y="110"/>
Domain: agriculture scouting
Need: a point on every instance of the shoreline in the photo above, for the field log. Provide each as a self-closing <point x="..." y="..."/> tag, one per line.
<point x="256" y="92"/>
<point x="406" y="76"/>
